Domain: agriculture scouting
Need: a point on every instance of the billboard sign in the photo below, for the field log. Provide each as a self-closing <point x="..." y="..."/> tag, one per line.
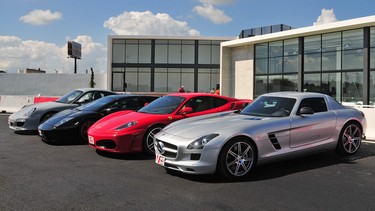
<point x="74" y="50"/>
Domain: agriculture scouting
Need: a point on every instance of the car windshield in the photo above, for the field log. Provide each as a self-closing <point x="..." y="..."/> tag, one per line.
<point x="163" y="105"/>
<point x="97" y="104"/>
<point x="70" y="97"/>
<point x="269" y="106"/>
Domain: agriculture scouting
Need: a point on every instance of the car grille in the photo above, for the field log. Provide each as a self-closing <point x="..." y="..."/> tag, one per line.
<point x="167" y="149"/>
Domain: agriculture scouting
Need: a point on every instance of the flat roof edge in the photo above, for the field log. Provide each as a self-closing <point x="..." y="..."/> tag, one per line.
<point x="171" y="37"/>
<point x="305" y="31"/>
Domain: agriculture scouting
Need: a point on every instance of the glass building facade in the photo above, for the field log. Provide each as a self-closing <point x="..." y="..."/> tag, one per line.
<point x="164" y="65"/>
<point x="340" y="64"/>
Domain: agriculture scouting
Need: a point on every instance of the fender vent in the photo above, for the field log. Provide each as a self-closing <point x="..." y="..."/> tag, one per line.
<point x="274" y="141"/>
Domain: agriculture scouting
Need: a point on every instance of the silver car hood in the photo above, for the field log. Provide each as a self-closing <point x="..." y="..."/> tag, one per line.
<point x="218" y="123"/>
<point x="46" y="106"/>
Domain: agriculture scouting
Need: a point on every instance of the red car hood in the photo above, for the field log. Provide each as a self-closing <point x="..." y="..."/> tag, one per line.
<point x="115" y="120"/>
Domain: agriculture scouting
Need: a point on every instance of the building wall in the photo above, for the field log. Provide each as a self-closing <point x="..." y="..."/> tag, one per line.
<point x="47" y="84"/>
<point x="237" y="71"/>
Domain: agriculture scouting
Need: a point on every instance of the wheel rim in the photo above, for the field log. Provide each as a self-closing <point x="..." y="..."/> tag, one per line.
<point x="84" y="128"/>
<point x="351" y="138"/>
<point x="239" y="158"/>
<point x="150" y="138"/>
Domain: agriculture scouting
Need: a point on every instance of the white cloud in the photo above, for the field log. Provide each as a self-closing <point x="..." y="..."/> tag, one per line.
<point x="41" y="17"/>
<point x="327" y="16"/>
<point x="17" y="54"/>
<point x="146" y="23"/>
<point x="217" y="2"/>
<point x="213" y="14"/>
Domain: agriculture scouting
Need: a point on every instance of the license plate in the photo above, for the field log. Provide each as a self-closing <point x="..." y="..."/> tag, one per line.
<point x="91" y="140"/>
<point x="160" y="159"/>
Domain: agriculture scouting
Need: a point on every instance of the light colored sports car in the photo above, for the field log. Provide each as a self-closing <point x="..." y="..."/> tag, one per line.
<point x="273" y="127"/>
<point x="29" y="117"/>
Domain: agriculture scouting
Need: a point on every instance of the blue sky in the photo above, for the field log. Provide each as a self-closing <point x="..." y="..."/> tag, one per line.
<point x="33" y="33"/>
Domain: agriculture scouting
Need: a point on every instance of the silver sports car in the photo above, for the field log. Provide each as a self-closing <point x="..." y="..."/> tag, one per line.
<point x="29" y="117"/>
<point x="275" y="126"/>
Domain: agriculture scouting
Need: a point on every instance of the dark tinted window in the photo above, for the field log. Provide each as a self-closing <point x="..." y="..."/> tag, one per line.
<point x="200" y="104"/>
<point x="318" y="104"/>
<point x="219" y="102"/>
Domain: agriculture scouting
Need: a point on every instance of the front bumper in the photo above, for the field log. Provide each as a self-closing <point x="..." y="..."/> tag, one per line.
<point x="178" y="157"/>
<point x="23" y="124"/>
<point x="117" y="143"/>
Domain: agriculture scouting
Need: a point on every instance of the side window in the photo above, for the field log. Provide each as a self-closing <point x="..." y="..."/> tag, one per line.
<point x="318" y="104"/>
<point x="200" y="104"/>
<point x="86" y="97"/>
<point x="219" y="102"/>
<point x="147" y="99"/>
<point x="131" y="103"/>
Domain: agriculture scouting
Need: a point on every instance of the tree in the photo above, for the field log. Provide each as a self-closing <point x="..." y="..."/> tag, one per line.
<point x="92" y="82"/>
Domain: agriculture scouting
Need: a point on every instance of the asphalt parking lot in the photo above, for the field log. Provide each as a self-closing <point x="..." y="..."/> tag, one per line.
<point x="38" y="176"/>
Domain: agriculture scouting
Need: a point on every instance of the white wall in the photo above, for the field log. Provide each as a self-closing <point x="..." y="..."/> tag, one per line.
<point x="47" y="84"/>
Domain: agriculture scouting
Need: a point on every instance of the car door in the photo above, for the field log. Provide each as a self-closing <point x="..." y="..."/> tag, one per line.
<point x="201" y="105"/>
<point x="312" y="128"/>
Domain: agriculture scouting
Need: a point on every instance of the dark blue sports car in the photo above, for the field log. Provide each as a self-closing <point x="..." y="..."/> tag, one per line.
<point x="72" y="124"/>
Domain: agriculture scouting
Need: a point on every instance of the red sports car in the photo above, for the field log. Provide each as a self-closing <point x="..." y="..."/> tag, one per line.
<point x="133" y="131"/>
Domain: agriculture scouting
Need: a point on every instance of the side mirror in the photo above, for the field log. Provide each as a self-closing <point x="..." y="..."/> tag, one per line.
<point x="306" y="110"/>
<point x="186" y="110"/>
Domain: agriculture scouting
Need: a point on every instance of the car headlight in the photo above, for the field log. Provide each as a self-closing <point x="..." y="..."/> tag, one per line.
<point x="202" y="141"/>
<point x="63" y="121"/>
<point x="30" y="112"/>
<point x="129" y="124"/>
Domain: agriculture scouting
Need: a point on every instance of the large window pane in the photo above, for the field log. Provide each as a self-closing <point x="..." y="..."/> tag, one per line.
<point x="372" y="88"/>
<point x="276" y="49"/>
<point x="372" y="58"/>
<point x="352" y="87"/>
<point x="187" y="79"/>
<point x="261" y="66"/>
<point x="188" y="54"/>
<point x="204" y="80"/>
<point x="144" y="80"/>
<point x="291" y="64"/>
<point x="275" y="83"/>
<point x="352" y="59"/>
<point x="118" y="81"/>
<point x="331" y="85"/>
<point x="311" y="83"/>
<point x="260" y="85"/>
<point x="161" y="80"/>
<point x="131" y="53"/>
<point x="118" y="53"/>
<point x="204" y="54"/>
<point x="261" y="50"/>
<point x="131" y="78"/>
<point x="312" y="44"/>
<point x="331" y="60"/>
<point x="276" y="65"/>
<point x="331" y="42"/>
<point x="215" y="54"/>
<point x="161" y="52"/>
<point x="174" y="53"/>
<point x="144" y="53"/>
<point x="290" y="82"/>
<point x="312" y="62"/>
<point x="352" y="39"/>
<point x="174" y="79"/>
<point x="291" y="47"/>
<point x="372" y="37"/>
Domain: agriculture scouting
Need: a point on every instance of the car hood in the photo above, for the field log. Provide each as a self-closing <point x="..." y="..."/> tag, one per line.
<point x="207" y="124"/>
<point x="44" y="107"/>
<point x="115" y="120"/>
<point x="66" y="114"/>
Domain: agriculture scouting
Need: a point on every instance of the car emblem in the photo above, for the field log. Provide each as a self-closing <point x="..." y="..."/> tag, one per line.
<point x="170" y="118"/>
<point x="160" y="147"/>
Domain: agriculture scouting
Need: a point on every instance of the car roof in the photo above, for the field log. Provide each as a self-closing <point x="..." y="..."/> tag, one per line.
<point x="196" y="94"/>
<point x="93" y="89"/>
<point x="295" y="94"/>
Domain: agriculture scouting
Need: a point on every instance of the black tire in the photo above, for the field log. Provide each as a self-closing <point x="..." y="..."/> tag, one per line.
<point x="237" y="158"/>
<point x="350" y="139"/>
<point x="83" y="128"/>
<point x="148" y="139"/>
<point x="46" y="116"/>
